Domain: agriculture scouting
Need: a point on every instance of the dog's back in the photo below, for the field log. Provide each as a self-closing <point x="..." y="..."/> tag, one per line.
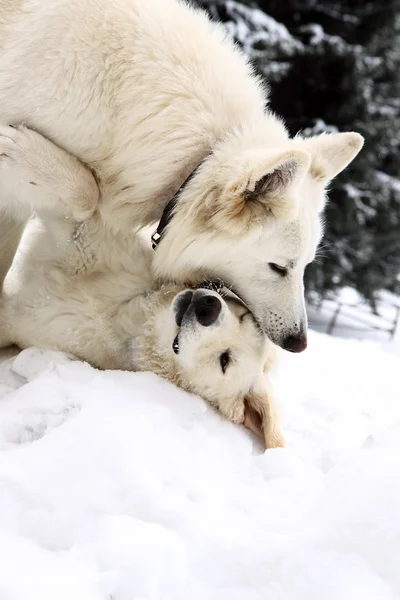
<point x="137" y="90"/>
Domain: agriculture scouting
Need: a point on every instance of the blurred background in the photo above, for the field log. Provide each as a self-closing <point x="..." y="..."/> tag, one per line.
<point x="335" y="65"/>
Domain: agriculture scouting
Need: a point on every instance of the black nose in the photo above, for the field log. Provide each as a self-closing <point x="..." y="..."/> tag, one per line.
<point x="207" y="309"/>
<point x="295" y="343"/>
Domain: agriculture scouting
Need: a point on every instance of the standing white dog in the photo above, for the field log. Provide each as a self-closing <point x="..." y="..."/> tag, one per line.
<point x="147" y="92"/>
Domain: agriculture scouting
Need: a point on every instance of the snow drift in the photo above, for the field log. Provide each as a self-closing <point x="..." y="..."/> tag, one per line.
<point x="117" y="486"/>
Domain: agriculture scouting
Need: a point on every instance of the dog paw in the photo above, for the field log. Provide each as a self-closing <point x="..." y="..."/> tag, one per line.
<point x="7" y="140"/>
<point x="9" y="136"/>
<point x="36" y="173"/>
<point x="17" y="152"/>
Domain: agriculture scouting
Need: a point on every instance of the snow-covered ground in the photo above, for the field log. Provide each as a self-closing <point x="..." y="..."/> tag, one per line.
<point x="117" y="486"/>
<point x="355" y="318"/>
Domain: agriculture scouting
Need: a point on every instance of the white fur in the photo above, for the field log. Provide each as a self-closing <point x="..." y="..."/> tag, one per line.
<point x="142" y="91"/>
<point x="117" y="316"/>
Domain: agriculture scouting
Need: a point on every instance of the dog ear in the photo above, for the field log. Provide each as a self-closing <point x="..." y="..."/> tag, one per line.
<point x="261" y="184"/>
<point x="277" y="175"/>
<point x="331" y="153"/>
<point x="261" y="420"/>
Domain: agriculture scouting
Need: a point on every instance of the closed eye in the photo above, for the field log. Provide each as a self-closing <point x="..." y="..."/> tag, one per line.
<point x="224" y="360"/>
<point x="282" y="271"/>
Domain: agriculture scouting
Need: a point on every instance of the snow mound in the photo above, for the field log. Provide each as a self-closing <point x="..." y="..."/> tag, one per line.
<point x="118" y="486"/>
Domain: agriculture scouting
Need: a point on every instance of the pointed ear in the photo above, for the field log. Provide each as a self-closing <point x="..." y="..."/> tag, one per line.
<point x="261" y="184"/>
<point x="331" y="153"/>
<point x="261" y="420"/>
<point x="276" y="175"/>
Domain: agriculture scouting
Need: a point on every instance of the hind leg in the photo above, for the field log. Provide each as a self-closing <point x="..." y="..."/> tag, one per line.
<point x="36" y="175"/>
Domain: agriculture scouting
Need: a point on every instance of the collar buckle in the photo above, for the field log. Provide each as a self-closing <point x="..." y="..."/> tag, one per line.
<point x="155" y="239"/>
<point x="169" y="211"/>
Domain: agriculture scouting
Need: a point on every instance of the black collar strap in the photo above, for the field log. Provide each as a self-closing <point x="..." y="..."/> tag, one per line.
<point x="165" y="219"/>
<point x="168" y="212"/>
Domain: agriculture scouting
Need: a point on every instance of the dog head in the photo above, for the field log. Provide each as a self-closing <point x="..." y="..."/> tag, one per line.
<point x="210" y="344"/>
<point x="252" y="216"/>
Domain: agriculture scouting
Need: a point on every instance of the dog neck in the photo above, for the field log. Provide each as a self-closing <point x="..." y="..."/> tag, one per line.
<point x="169" y="209"/>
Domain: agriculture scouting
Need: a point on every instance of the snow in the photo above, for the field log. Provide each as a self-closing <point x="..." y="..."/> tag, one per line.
<point x="388" y="180"/>
<point x="320" y="126"/>
<point x="118" y="486"/>
<point x="255" y="19"/>
<point x="356" y="318"/>
<point x="257" y="32"/>
<point x="316" y="32"/>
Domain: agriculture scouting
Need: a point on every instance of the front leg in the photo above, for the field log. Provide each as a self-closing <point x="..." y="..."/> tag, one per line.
<point x="36" y="175"/>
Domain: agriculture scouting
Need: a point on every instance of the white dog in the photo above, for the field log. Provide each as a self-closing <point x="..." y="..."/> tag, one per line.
<point x="117" y="316"/>
<point x="146" y="93"/>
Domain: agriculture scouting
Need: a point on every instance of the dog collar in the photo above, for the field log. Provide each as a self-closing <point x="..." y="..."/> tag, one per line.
<point x="168" y="211"/>
<point x="165" y="219"/>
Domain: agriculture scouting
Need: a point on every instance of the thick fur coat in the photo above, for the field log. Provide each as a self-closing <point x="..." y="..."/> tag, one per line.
<point x="142" y="92"/>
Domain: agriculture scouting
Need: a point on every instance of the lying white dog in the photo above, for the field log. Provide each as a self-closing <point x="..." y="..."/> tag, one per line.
<point x="146" y="92"/>
<point x="117" y="316"/>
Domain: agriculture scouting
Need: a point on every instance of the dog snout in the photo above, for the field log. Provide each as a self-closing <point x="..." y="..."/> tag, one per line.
<point x="207" y="309"/>
<point x="295" y="343"/>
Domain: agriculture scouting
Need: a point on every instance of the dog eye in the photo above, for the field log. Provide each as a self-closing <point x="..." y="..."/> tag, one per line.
<point x="277" y="269"/>
<point x="224" y="360"/>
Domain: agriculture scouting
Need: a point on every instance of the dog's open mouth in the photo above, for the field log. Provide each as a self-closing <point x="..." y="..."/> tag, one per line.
<point x="175" y="345"/>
